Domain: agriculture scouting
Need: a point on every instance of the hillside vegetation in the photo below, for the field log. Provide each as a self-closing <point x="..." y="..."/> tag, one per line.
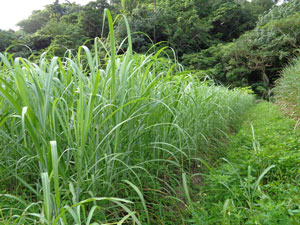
<point x="256" y="58"/>
<point x="186" y="25"/>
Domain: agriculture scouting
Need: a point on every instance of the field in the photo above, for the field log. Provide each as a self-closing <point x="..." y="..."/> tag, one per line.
<point x="88" y="139"/>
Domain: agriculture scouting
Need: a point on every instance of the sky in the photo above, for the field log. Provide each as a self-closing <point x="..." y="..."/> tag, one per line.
<point x="13" y="11"/>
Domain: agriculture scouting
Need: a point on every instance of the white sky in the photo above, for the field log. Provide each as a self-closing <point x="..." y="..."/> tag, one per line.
<point x="13" y="11"/>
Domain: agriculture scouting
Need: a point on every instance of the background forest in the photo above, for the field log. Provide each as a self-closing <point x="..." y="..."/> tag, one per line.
<point x="236" y="42"/>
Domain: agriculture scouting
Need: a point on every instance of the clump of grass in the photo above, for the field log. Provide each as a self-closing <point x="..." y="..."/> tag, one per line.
<point x="287" y="89"/>
<point x="79" y="135"/>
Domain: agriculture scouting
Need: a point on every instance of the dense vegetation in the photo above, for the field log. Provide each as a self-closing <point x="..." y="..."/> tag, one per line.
<point x="100" y="125"/>
<point x="88" y="139"/>
<point x="256" y="58"/>
<point x="256" y="181"/>
<point x="205" y="34"/>
<point x="188" y="26"/>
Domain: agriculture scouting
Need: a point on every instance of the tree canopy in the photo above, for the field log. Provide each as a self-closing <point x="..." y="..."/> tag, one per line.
<point x="256" y="57"/>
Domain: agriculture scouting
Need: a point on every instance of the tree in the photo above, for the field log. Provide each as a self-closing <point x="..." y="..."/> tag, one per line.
<point x="229" y="21"/>
<point x="6" y="39"/>
<point x="255" y="58"/>
<point x="91" y="19"/>
<point x="35" y="21"/>
<point x="186" y="30"/>
<point x="129" y="5"/>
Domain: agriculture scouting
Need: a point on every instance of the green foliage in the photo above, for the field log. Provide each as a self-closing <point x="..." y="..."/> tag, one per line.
<point x="141" y="22"/>
<point x="285" y="10"/>
<point x="188" y="26"/>
<point x="261" y="6"/>
<point x="287" y="89"/>
<point x="7" y="38"/>
<point x="12" y="42"/>
<point x="63" y="36"/>
<point x="91" y="19"/>
<point x="37" y="20"/>
<point x="184" y="28"/>
<point x="86" y="139"/>
<point x="257" y="183"/>
<point x="255" y="58"/>
<point x="229" y="21"/>
<point x="56" y="28"/>
<point x="129" y="5"/>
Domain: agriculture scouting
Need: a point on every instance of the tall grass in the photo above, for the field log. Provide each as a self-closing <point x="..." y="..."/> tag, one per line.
<point x="287" y="89"/>
<point x="85" y="142"/>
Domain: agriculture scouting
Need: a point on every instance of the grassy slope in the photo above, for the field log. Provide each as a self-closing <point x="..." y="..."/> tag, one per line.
<point x="246" y="188"/>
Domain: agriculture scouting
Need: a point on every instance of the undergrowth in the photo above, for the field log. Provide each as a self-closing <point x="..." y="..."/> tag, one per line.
<point x="257" y="182"/>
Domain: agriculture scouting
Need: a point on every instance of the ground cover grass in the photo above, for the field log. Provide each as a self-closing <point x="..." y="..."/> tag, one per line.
<point x="91" y="140"/>
<point x="257" y="181"/>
